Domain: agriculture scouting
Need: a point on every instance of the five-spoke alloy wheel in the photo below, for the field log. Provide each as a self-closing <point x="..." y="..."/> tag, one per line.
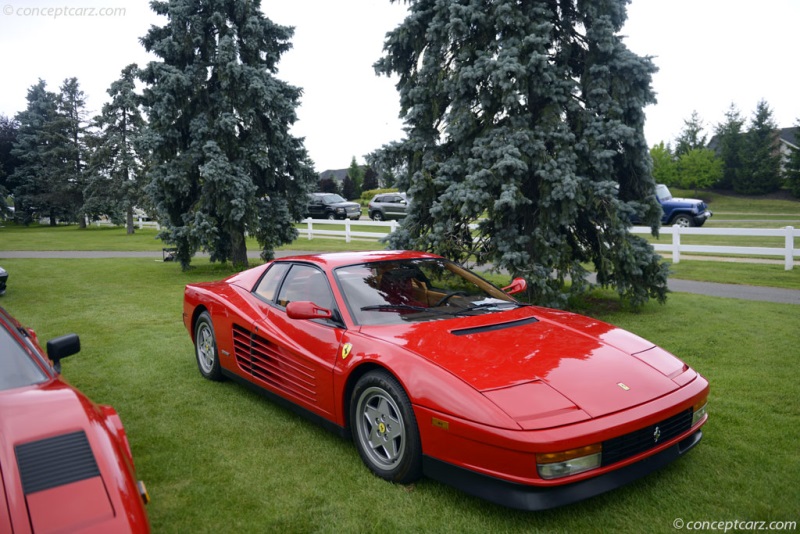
<point x="385" y="429"/>
<point x="205" y="348"/>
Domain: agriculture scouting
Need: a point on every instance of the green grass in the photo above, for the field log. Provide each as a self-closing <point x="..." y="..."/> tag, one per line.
<point x="219" y="458"/>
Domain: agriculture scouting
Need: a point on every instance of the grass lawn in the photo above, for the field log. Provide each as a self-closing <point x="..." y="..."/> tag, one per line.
<point x="218" y="458"/>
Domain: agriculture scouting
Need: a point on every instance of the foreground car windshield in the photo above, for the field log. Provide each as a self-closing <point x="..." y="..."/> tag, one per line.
<point x="416" y="290"/>
<point x="17" y="367"/>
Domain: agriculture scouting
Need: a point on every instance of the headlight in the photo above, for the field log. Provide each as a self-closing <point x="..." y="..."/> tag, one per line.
<point x="339" y="210"/>
<point x="565" y="463"/>
<point x="699" y="411"/>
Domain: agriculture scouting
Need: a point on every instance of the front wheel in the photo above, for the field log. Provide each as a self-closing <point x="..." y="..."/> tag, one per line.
<point x="377" y="216"/>
<point x="683" y="220"/>
<point x="384" y="428"/>
<point x="205" y="348"/>
<point x="331" y="216"/>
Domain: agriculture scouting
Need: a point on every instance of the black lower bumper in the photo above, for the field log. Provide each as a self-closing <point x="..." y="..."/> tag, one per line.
<point x="525" y="497"/>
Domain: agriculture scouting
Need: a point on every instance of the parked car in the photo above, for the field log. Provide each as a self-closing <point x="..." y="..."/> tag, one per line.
<point x="3" y="281"/>
<point x="331" y="206"/>
<point x="388" y="206"/>
<point x="432" y="370"/>
<point x="681" y="211"/>
<point x="65" y="462"/>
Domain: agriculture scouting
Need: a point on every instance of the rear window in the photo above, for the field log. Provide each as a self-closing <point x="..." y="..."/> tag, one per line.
<point x="18" y="369"/>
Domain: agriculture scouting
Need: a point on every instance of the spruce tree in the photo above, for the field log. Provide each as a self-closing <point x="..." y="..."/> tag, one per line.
<point x="691" y="136"/>
<point x="9" y="128"/>
<point x="222" y="160"/>
<point x="730" y="139"/>
<point x="526" y="118"/>
<point x="72" y="148"/>
<point x="116" y="179"/>
<point x="761" y="160"/>
<point x="37" y="179"/>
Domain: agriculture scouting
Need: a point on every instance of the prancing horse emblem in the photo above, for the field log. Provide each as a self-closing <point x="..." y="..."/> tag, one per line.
<point x="656" y="435"/>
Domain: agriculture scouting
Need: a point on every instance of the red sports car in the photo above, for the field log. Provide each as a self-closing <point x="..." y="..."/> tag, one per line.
<point x="435" y="371"/>
<point x="65" y="462"/>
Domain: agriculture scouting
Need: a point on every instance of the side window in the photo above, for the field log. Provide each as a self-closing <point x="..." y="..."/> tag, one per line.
<point x="305" y="283"/>
<point x="268" y="285"/>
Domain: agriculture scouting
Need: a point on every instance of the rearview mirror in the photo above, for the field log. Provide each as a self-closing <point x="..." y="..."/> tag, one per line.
<point x="517" y="285"/>
<point x="303" y="309"/>
<point x="61" y="347"/>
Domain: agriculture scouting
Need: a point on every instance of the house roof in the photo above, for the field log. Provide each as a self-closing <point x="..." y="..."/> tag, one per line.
<point x="338" y="174"/>
<point x="789" y="136"/>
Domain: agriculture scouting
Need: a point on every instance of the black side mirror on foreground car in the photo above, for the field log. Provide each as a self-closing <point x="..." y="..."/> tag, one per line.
<point x="61" y="347"/>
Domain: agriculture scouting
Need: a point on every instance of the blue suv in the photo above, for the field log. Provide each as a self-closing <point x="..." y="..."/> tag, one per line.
<point x="681" y="211"/>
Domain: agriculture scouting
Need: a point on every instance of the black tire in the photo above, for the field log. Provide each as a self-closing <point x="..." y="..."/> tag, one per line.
<point x="331" y="216"/>
<point x="384" y="428"/>
<point x="205" y="348"/>
<point x="683" y="220"/>
<point x="377" y="216"/>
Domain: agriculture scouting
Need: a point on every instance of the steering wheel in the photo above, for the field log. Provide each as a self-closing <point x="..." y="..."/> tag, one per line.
<point x="448" y="296"/>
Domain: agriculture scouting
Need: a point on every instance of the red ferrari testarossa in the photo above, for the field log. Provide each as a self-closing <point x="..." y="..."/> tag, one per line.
<point x="65" y="462"/>
<point x="434" y="371"/>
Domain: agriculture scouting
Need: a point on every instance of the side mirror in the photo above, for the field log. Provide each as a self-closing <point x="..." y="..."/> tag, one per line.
<point x="517" y="285"/>
<point x="61" y="347"/>
<point x="303" y="309"/>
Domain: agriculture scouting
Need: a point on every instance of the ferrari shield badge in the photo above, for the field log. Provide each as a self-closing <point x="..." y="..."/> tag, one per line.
<point x="346" y="348"/>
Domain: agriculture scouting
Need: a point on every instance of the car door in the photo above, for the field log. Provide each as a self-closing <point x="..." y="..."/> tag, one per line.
<point x="295" y="358"/>
<point x="316" y="209"/>
<point x="396" y="207"/>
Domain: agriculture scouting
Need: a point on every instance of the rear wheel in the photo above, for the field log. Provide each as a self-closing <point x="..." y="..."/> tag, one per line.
<point x="205" y="348"/>
<point x="385" y="429"/>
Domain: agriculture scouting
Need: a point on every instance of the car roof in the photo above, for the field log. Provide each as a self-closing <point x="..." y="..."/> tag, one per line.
<point x="332" y="260"/>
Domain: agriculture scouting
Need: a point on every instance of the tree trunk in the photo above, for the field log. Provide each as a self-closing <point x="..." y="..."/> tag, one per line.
<point x="238" y="249"/>
<point x="129" y="221"/>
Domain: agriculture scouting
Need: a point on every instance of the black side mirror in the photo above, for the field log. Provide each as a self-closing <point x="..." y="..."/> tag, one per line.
<point x="61" y="347"/>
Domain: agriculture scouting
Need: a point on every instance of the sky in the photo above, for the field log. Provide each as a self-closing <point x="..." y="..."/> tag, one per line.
<point x="710" y="54"/>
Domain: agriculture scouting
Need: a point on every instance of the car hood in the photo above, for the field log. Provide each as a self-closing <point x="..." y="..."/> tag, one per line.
<point x="52" y="477"/>
<point x="520" y="357"/>
<point x="685" y="202"/>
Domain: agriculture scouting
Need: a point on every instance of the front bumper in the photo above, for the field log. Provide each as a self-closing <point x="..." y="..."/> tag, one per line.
<point x="531" y="498"/>
<point x="701" y="218"/>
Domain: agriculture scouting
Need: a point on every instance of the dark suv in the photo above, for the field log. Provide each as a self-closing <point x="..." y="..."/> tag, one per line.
<point x="331" y="206"/>
<point x="681" y="211"/>
<point x="388" y="206"/>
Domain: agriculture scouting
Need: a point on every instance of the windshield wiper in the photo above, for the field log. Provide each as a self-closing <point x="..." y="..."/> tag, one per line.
<point x="389" y="307"/>
<point x="485" y="305"/>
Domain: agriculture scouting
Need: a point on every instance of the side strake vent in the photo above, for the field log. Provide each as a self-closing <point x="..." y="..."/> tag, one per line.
<point x="53" y="462"/>
<point x="493" y="327"/>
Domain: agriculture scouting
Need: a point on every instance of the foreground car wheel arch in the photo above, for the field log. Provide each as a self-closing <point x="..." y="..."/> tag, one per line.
<point x="384" y="428"/>
<point x="205" y="348"/>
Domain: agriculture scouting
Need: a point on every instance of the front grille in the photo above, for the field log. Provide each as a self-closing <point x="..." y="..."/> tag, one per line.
<point x="622" y="447"/>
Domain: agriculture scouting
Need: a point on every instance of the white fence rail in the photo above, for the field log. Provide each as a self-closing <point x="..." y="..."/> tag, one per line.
<point x="675" y="248"/>
<point x="348" y="233"/>
<point x="317" y="228"/>
<point x="788" y="251"/>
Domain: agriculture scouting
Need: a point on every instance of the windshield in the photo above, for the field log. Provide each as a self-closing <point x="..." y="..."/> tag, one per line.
<point x="333" y="199"/>
<point x="416" y="290"/>
<point x="662" y="192"/>
<point x="18" y="369"/>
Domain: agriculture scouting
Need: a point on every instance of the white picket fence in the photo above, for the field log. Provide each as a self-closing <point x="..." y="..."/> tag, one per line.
<point x="788" y="251"/>
<point x="316" y="228"/>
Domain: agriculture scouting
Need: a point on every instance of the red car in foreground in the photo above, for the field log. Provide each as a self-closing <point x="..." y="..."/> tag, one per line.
<point x="434" y="371"/>
<point x="65" y="462"/>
